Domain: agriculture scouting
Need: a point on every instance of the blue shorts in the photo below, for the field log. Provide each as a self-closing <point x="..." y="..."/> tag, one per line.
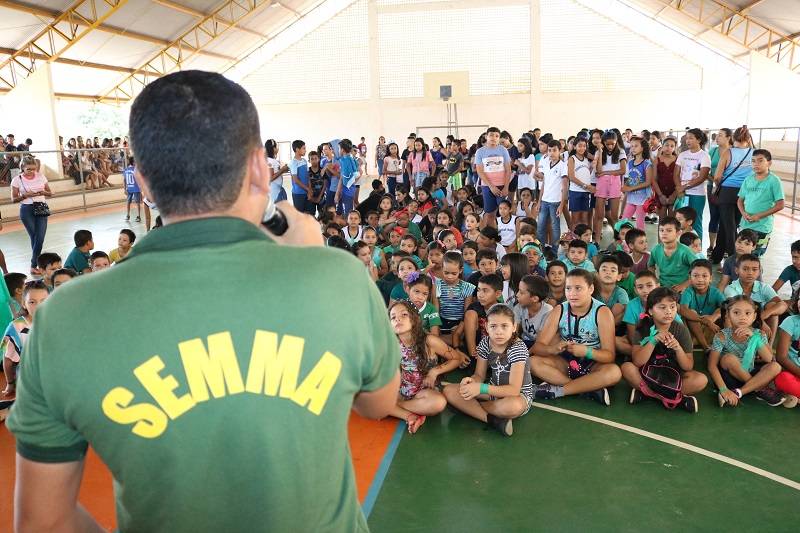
<point x="579" y="201"/>
<point x="134" y="197"/>
<point x="490" y="201"/>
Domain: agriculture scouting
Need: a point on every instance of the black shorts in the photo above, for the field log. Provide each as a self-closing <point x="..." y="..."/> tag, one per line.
<point x="512" y="185"/>
<point x="448" y="325"/>
<point x="732" y="382"/>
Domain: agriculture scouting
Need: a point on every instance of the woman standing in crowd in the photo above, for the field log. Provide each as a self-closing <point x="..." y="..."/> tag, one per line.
<point x="380" y="153"/>
<point x="30" y="189"/>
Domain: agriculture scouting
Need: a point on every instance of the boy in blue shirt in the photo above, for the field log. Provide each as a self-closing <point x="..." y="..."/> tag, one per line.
<point x="748" y="267"/>
<point x="346" y="197"/>
<point x="645" y="282"/>
<point x="78" y="258"/>
<point x="298" y="168"/>
<point x="790" y="274"/>
<point x="576" y="256"/>
<point x="700" y="304"/>
<point x="132" y="191"/>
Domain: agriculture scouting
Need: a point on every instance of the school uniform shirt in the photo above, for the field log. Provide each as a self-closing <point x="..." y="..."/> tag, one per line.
<point x="791" y="325"/>
<point x="234" y="402"/>
<point x="628" y="285"/>
<point x="494" y="160"/>
<point x="583" y="173"/>
<point x="674" y="269"/>
<point x="6" y="315"/>
<point x="507" y="230"/>
<point x="760" y="195"/>
<point x="77" y="260"/>
<point x="299" y="168"/>
<point x="451" y="298"/>
<point x="531" y="325"/>
<point x="791" y="276"/>
<point x="131" y="186"/>
<point x="689" y="163"/>
<point x="525" y="179"/>
<point x="618" y="296"/>
<point x="276" y="185"/>
<point x="703" y="304"/>
<point x="586" y="265"/>
<point x="429" y="317"/>
<point x="501" y="365"/>
<point x="634" y="310"/>
<point x="762" y="293"/>
<point x="554" y="176"/>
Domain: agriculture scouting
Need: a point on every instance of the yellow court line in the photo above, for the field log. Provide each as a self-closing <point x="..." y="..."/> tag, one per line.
<point x="679" y="444"/>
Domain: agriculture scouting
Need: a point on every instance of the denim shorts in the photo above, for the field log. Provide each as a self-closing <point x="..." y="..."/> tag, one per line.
<point x="579" y="201"/>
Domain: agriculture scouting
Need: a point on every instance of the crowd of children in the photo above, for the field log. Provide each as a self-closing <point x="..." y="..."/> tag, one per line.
<point x="494" y="307"/>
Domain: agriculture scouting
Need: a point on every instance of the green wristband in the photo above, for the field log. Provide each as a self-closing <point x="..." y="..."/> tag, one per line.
<point x="484" y="388"/>
<point x="653" y="341"/>
<point x="589" y="353"/>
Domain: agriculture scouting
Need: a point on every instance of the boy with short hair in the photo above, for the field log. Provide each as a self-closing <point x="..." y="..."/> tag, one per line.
<point x="556" y="274"/>
<point x="346" y="197"/>
<point x="745" y="244"/>
<point x="408" y="243"/>
<point x="694" y="243"/>
<point x="531" y="310"/>
<point x="62" y="276"/>
<point x="99" y="261"/>
<point x="487" y="264"/>
<point x="686" y="217"/>
<point x="584" y="233"/>
<point x="644" y="283"/>
<point x="615" y="298"/>
<point x="493" y="165"/>
<point x="555" y="186"/>
<point x="488" y="292"/>
<point x="78" y="258"/>
<point x="791" y="273"/>
<point x="132" y="191"/>
<point x="671" y="258"/>
<point x="748" y="267"/>
<point x="15" y="282"/>
<point x="298" y="168"/>
<point x="317" y="184"/>
<point x="576" y="256"/>
<point x="760" y="197"/>
<point x="626" y="277"/>
<point x="455" y="295"/>
<point x="636" y="240"/>
<point x="48" y="263"/>
<point x="700" y="304"/>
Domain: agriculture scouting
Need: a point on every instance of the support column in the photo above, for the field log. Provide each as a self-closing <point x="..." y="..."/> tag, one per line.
<point x="375" y="125"/>
<point x="536" y="61"/>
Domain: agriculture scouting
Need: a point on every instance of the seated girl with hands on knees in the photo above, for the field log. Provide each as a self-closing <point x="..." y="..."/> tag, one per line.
<point x="509" y="393"/>
<point x="419" y="367"/>
<point x="662" y="361"/>
<point x="574" y="352"/>
<point x="741" y="360"/>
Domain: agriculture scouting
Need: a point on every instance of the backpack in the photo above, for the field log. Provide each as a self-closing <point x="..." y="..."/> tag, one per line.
<point x="661" y="381"/>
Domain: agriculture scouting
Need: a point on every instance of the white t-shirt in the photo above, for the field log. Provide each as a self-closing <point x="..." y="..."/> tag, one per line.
<point x="583" y="173"/>
<point x="507" y="231"/>
<point x="276" y="185"/>
<point x="690" y="164"/>
<point x="527" y="180"/>
<point x="554" y="176"/>
<point x="35" y="184"/>
<point x="501" y="251"/>
<point x="394" y="165"/>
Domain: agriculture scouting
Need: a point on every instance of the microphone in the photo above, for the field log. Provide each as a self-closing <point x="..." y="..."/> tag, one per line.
<point x="274" y="220"/>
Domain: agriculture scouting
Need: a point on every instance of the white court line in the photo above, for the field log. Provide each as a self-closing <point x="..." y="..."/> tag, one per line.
<point x="679" y="444"/>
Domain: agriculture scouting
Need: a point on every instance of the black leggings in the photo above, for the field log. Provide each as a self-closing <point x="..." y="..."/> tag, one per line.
<point x="729" y="217"/>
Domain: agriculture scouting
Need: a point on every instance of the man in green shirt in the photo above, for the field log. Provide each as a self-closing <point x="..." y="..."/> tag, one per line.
<point x="672" y="259"/>
<point x="219" y="402"/>
<point x="760" y="197"/>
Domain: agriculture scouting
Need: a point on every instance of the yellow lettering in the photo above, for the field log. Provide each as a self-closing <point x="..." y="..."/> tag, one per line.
<point x="272" y="365"/>
<point x="212" y="370"/>
<point x="318" y="384"/>
<point x="150" y="421"/>
<point x="161" y="388"/>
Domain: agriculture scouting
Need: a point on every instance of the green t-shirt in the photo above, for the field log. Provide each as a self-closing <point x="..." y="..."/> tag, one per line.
<point x="760" y="195"/>
<point x="77" y="261"/>
<point x="791" y="325"/>
<point x="703" y="304"/>
<point x="430" y="317"/>
<point x="6" y="314"/>
<point x="674" y="269"/>
<point x="216" y="406"/>
<point x="628" y="285"/>
<point x="414" y="230"/>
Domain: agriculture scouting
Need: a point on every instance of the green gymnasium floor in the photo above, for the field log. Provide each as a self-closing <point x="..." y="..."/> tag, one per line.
<point x="572" y="465"/>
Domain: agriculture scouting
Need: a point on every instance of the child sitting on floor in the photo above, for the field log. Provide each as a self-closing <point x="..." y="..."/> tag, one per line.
<point x="740" y="360"/>
<point x="790" y="274"/>
<point x="99" y="261"/>
<point x="509" y="393"/>
<point x="556" y="274"/>
<point x="745" y="244"/>
<point x="419" y="367"/>
<point x="748" y="268"/>
<point x="614" y="297"/>
<point x="488" y="292"/>
<point x="636" y="240"/>
<point x="576" y="256"/>
<point x="124" y="243"/>
<point x="700" y="304"/>
<point x="788" y="354"/>
<point x="12" y="345"/>
<point x="455" y="295"/>
<point x="531" y="310"/>
<point x="694" y="243"/>
<point x="660" y="340"/>
<point x="419" y="289"/>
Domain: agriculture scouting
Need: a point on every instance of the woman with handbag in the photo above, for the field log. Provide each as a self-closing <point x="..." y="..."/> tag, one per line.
<point x="30" y="189"/>
<point x="734" y="166"/>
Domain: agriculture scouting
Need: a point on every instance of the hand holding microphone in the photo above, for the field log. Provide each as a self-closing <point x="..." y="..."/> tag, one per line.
<point x="287" y="225"/>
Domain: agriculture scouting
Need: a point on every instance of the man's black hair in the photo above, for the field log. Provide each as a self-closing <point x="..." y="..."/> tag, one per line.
<point x="296" y="145"/>
<point x="495" y="281"/>
<point x="193" y="133"/>
<point x="14" y="281"/>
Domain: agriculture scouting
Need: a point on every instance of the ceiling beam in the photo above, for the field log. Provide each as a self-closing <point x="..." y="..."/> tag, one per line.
<point x="49" y="14"/>
<point x="73" y="62"/>
<point x="173" y="56"/>
<point x="69" y="96"/>
<point x="56" y="38"/>
<point x="199" y="14"/>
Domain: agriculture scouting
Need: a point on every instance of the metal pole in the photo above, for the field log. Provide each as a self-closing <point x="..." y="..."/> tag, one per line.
<point x="796" y="163"/>
<point x="83" y="178"/>
<point x="760" y="134"/>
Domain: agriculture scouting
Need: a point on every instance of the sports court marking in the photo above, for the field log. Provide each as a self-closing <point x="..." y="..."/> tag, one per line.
<point x="679" y="444"/>
<point x="383" y="469"/>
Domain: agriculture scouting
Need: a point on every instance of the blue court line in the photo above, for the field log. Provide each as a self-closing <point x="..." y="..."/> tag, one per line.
<point x="383" y="469"/>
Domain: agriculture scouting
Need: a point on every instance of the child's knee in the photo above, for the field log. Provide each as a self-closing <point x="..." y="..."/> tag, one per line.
<point x="772" y="368"/>
<point x="729" y="361"/>
<point x="611" y="374"/>
<point x="451" y="391"/>
<point x="438" y="403"/>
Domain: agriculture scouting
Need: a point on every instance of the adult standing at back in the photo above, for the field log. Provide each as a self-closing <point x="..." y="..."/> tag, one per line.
<point x="31" y="189"/>
<point x="733" y="167"/>
<point x="242" y="404"/>
<point x="493" y="165"/>
<point x="691" y="172"/>
<point x="381" y="151"/>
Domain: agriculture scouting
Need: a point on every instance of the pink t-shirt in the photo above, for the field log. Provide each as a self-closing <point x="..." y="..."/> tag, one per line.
<point x="25" y="185"/>
<point x="418" y="165"/>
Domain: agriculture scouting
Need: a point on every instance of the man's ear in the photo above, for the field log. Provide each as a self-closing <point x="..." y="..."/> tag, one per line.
<point x="259" y="172"/>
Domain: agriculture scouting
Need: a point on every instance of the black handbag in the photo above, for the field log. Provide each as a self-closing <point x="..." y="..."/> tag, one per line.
<point x="714" y="196"/>
<point x="40" y="209"/>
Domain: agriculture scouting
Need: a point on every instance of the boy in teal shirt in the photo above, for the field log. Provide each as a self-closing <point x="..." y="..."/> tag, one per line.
<point x="78" y="258"/>
<point x="760" y="197"/>
<point x="700" y="304"/>
<point x="790" y="274"/>
<point x="576" y="256"/>
<point x="672" y="259"/>
<point x="748" y="267"/>
<point x="644" y="284"/>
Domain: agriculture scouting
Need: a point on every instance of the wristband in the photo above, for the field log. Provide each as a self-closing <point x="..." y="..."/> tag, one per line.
<point x="589" y="351"/>
<point x="484" y="388"/>
<point x="653" y="341"/>
<point x="723" y="389"/>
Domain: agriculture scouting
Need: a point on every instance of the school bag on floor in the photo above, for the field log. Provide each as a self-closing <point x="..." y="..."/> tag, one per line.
<point x="661" y="380"/>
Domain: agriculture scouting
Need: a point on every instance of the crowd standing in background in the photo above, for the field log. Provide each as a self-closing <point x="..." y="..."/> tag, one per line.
<point x="499" y="285"/>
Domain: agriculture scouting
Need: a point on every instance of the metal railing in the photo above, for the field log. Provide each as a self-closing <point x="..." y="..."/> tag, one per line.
<point x="761" y="136"/>
<point x="79" y="168"/>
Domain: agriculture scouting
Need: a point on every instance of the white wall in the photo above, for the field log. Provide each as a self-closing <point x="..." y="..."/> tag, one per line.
<point x="774" y="90"/>
<point x="28" y="112"/>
